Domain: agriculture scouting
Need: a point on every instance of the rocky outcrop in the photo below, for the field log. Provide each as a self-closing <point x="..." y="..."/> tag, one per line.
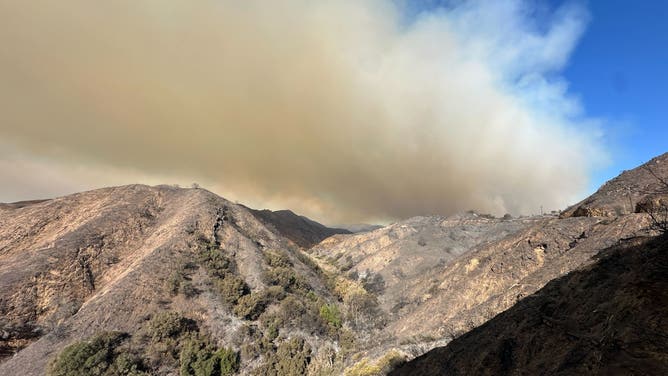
<point x="620" y="195"/>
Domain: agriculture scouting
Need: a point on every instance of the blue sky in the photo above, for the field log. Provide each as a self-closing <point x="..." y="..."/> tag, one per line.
<point x="620" y="72"/>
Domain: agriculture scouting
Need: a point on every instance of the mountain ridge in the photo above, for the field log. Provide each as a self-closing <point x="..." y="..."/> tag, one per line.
<point x="256" y="280"/>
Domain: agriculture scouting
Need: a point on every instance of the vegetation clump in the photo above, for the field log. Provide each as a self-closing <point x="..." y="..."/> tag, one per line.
<point x="99" y="356"/>
<point x="200" y="358"/>
<point x="292" y="358"/>
<point x="232" y="288"/>
<point x="215" y="261"/>
<point x="168" y="325"/>
<point x="295" y="312"/>
<point x="285" y="278"/>
<point x="169" y="341"/>
<point x="331" y="314"/>
<point x="277" y="259"/>
<point x="253" y="305"/>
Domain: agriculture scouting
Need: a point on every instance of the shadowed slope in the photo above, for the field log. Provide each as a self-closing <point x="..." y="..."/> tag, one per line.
<point x="301" y="230"/>
<point x="609" y="318"/>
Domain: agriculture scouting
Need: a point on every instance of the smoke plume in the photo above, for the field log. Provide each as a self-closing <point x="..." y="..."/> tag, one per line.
<point x="343" y="110"/>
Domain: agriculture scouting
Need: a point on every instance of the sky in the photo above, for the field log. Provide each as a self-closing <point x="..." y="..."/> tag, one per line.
<point x="620" y="72"/>
<point x="344" y="111"/>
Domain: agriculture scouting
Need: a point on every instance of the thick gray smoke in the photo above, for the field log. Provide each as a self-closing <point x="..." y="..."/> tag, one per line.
<point x="343" y="110"/>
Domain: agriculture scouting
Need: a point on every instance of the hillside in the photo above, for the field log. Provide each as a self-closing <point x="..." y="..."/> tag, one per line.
<point x="608" y="318"/>
<point x="185" y="278"/>
<point x="437" y="278"/>
<point x="109" y="259"/>
<point x="623" y="194"/>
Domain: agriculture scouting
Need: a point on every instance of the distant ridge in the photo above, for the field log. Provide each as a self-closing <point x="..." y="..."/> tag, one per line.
<point x="301" y="230"/>
<point x="19" y="204"/>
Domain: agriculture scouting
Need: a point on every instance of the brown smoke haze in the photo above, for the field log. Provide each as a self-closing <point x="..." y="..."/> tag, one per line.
<point x="341" y="110"/>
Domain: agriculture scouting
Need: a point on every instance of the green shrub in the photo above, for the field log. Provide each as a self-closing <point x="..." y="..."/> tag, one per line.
<point x="127" y="364"/>
<point x="251" y="306"/>
<point x="199" y="358"/>
<point x="231" y="288"/>
<point x="272" y="332"/>
<point x="286" y="278"/>
<point x="194" y="357"/>
<point x="96" y="357"/>
<point x="291" y="358"/>
<point x="331" y="314"/>
<point x="229" y="361"/>
<point x="277" y="259"/>
<point x="216" y="263"/>
<point x="299" y="313"/>
<point x="168" y="325"/>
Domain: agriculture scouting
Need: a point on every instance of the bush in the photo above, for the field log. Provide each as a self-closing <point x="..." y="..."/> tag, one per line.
<point x="299" y="313"/>
<point x="229" y="361"/>
<point x="308" y="261"/>
<point x="331" y="314"/>
<point x="657" y="209"/>
<point x="251" y="306"/>
<point x="168" y="325"/>
<point x="216" y="263"/>
<point x="199" y="358"/>
<point x="286" y="278"/>
<point x="164" y="353"/>
<point x="127" y="364"/>
<point x="231" y="288"/>
<point x="277" y="259"/>
<point x="291" y="358"/>
<point x="173" y="283"/>
<point x="656" y="203"/>
<point x="363" y="311"/>
<point x="97" y="357"/>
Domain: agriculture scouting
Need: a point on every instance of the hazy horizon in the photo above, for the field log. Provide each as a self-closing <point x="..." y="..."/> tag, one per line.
<point x="342" y="111"/>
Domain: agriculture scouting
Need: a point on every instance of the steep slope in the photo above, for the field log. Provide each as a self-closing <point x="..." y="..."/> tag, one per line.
<point x="104" y="260"/>
<point x="623" y="194"/>
<point x="607" y="318"/>
<point x="436" y="278"/>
